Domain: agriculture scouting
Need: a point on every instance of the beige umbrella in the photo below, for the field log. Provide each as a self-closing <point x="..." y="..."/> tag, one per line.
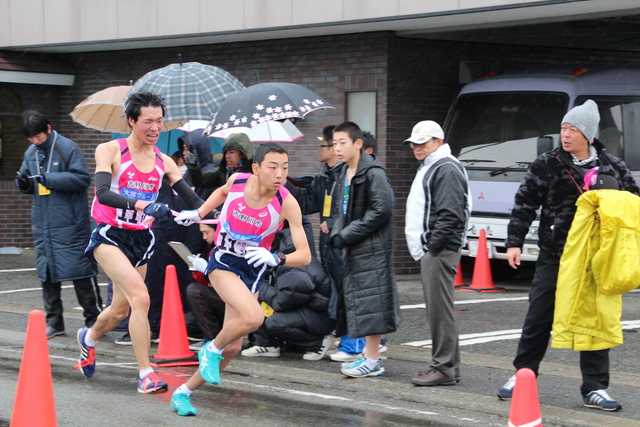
<point x="103" y="111"/>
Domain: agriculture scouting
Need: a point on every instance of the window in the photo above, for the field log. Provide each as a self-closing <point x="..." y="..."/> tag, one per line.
<point x="361" y="109"/>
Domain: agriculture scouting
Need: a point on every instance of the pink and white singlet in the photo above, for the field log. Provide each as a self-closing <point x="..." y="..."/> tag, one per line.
<point x="130" y="182"/>
<point x="240" y="226"/>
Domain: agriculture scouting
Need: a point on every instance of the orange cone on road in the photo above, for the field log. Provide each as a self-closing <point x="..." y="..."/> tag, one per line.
<point x="34" y="405"/>
<point x="482" y="280"/>
<point x="173" y="349"/>
<point x="458" y="281"/>
<point x="525" y="405"/>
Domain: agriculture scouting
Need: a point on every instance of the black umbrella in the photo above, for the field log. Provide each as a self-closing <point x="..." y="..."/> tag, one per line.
<point x="265" y="102"/>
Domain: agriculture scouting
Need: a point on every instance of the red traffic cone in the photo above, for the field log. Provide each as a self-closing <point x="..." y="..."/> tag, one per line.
<point x="173" y="349"/>
<point x="35" y="382"/>
<point x="525" y="405"/>
<point x="482" y="281"/>
<point x="458" y="281"/>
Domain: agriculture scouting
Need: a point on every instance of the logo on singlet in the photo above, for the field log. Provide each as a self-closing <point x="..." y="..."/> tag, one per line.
<point x="246" y="218"/>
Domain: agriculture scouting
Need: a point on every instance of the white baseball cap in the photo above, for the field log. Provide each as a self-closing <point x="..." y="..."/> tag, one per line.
<point x="424" y="131"/>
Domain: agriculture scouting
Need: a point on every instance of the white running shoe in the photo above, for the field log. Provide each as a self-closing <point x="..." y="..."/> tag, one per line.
<point x="318" y="355"/>
<point x="341" y="356"/>
<point x="256" y="351"/>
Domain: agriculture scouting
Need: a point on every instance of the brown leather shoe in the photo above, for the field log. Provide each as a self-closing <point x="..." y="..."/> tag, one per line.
<point x="432" y="377"/>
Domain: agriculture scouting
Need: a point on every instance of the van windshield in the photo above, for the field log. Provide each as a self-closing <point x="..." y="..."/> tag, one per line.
<point x="502" y="131"/>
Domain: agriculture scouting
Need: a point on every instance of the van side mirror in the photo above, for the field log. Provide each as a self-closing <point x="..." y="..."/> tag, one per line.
<point x="545" y="143"/>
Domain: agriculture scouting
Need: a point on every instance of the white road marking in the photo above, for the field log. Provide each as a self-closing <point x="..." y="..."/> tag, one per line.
<point x="469" y="301"/>
<point x="507" y="334"/>
<point x="16" y="270"/>
<point x="13" y="291"/>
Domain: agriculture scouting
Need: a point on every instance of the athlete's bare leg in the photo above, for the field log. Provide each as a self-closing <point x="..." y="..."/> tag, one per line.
<point x="372" y="346"/>
<point x="243" y="313"/>
<point x="129" y="291"/>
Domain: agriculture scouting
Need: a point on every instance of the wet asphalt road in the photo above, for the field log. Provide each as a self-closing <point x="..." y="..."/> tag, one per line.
<point x="289" y="391"/>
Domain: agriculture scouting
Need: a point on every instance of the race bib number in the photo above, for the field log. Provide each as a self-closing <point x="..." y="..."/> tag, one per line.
<point x="130" y="216"/>
<point x="237" y="246"/>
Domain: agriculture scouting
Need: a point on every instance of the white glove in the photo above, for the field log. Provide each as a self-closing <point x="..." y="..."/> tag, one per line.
<point x="198" y="264"/>
<point x="257" y="256"/>
<point x="187" y="218"/>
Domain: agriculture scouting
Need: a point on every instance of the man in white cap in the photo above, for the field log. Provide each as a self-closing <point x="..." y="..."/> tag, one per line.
<point x="438" y="210"/>
<point x="554" y="182"/>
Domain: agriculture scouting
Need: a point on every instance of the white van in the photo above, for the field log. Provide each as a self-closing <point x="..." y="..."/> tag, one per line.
<point x="498" y="125"/>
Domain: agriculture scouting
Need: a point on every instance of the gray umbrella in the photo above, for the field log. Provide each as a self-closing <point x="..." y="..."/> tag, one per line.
<point x="192" y="91"/>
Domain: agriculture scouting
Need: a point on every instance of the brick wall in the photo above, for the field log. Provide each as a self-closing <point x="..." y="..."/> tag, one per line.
<point x="415" y="80"/>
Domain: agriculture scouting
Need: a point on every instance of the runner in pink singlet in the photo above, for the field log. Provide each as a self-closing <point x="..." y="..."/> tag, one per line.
<point x="240" y="226"/>
<point x="130" y="182"/>
<point x="255" y="206"/>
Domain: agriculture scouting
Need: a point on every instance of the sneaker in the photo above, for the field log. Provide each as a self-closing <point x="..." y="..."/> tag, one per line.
<point x="318" y="355"/>
<point x="351" y="363"/>
<point x="506" y="391"/>
<point x="181" y="403"/>
<point x="152" y="384"/>
<point x="361" y="369"/>
<point x="87" y="362"/>
<point x="600" y="399"/>
<point x="383" y="348"/>
<point x="341" y="356"/>
<point x="155" y="337"/>
<point x="124" y="340"/>
<point x="209" y="365"/>
<point x="197" y="346"/>
<point x="261" y="351"/>
<point x="52" y="332"/>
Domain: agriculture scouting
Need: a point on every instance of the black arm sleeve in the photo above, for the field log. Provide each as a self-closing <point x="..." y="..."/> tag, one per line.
<point x="108" y="197"/>
<point x="189" y="196"/>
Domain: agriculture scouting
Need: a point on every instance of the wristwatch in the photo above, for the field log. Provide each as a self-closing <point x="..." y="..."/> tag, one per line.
<point x="282" y="257"/>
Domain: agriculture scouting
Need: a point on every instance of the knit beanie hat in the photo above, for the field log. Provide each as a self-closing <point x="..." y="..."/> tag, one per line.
<point x="586" y="118"/>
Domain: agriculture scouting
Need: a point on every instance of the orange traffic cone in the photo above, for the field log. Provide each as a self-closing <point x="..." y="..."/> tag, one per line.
<point x="35" y="382"/>
<point x="173" y="349"/>
<point x="458" y="281"/>
<point x="525" y="406"/>
<point x="482" y="281"/>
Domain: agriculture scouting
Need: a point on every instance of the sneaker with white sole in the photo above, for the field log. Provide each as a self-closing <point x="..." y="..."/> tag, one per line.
<point x="181" y="403"/>
<point x="341" y="356"/>
<point x="151" y="383"/>
<point x="87" y="362"/>
<point x="506" y="392"/>
<point x="600" y="399"/>
<point x="360" y="369"/>
<point x="256" y="351"/>
<point x="318" y="355"/>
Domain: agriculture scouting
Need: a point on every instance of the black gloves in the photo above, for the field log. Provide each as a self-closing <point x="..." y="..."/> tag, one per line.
<point x="157" y="210"/>
<point x="192" y="160"/>
<point x="21" y="180"/>
<point x="337" y="242"/>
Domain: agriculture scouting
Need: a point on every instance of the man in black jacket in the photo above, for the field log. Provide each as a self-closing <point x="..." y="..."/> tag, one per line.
<point x="438" y="210"/>
<point x="553" y="183"/>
